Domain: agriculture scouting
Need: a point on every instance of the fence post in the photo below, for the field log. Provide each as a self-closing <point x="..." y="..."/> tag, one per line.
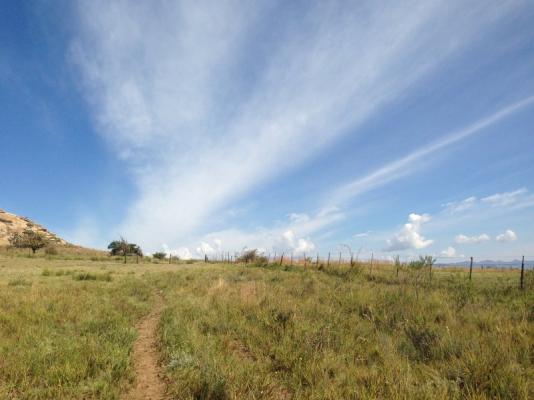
<point x="304" y="260"/>
<point x="170" y="258"/>
<point x="291" y="258"/>
<point x="371" y="266"/>
<point x="328" y="261"/>
<point x="206" y="258"/>
<point x="339" y="263"/>
<point x="471" y="269"/>
<point x="317" y="261"/>
<point x="522" y="281"/>
<point x="351" y="260"/>
<point x="281" y="259"/>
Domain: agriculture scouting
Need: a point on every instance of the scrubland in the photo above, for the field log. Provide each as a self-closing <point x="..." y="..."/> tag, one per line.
<point x="67" y="328"/>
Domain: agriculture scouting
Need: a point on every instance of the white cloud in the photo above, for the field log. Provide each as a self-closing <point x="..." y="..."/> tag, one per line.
<point x="205" y="249"/>
<point x="304" y="246"/>
<point x="410" y="163"/>
<point x="291" y="243"/>
<point x="449" y="252"/>
<point x="505" y="198"/>
<point x="183" y="253"/>
<point x="167" y="88"/>
<point x="471" y="239"/>
<point x="410" y="235"/>
<point x="460" y="206"/>
<point x="508" y="236"/>
<point x="362" y="234"/>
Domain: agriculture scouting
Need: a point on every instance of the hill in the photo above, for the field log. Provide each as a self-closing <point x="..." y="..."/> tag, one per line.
<point x="11" y="223"/>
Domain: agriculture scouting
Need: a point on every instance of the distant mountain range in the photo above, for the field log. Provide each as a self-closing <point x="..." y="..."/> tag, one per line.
<point x="488" y="263"/>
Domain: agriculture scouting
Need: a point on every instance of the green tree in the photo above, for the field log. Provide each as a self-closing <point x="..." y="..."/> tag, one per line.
<point x="160" y="255"/>
<point x="123" y="248"/>
<point x="28" y="239"/>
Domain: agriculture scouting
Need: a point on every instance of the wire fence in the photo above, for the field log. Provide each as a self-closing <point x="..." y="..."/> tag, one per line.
<point x="497" y="274"/>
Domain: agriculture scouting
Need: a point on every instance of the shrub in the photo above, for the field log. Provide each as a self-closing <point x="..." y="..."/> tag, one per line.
<point x="51" y="250"/>
<point x="160" y="255"/>
<point x="86" y="276"/>
<point x="252" y="256"/>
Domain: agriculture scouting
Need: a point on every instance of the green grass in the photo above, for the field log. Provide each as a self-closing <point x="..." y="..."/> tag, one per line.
<point x="67" y="327"/>
<point x="237" y="332"/>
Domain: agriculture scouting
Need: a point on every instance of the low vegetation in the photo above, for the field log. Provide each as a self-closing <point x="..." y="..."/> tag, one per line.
<point x="266" y="331"/>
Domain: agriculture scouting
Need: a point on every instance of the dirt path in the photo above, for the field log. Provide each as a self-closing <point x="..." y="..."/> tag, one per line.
<point x="149" y="384"/>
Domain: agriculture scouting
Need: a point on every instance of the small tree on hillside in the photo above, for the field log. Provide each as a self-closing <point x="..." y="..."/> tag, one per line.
<point x="28" y="239"/>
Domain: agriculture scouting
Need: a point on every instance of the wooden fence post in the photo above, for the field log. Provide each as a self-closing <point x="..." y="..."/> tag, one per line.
<point x="471" y="269"/>
<point x="291" y="259"/>
<point x="328" y="261"/>
<point x="317" y="261"/>
<point x="305" y="260"/>
<point x="281" y="259"/>
<point x="522" y="281"/>
<point x="339" y="263"/>
<point x="371" y="266"/>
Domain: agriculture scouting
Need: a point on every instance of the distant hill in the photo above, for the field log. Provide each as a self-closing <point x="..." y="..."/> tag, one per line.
<point x="489" y="263"/>
<point x="11" y="223"/>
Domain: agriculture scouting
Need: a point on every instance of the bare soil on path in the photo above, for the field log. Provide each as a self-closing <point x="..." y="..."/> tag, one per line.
<point x="149" y="383"/>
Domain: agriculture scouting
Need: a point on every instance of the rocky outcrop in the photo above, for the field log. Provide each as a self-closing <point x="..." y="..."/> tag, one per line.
<point x="11" y="223"/>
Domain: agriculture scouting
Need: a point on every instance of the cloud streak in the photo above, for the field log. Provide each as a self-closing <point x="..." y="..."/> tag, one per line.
<point x="205" y="102"/>
<point x="407" y="165"/>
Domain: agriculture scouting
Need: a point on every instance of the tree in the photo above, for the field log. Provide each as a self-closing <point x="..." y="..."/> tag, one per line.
<point x="28" y="239"/>
<point x="123" y="248"/>
<point x="160" y="255"/>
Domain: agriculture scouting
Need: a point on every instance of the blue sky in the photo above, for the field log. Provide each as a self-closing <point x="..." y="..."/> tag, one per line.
<point x="287" y="126"/>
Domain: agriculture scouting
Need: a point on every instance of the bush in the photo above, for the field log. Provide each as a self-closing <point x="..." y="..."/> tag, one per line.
<point x="252" y="256"/>
<point x="160" y="255"/>
<point x="86" y="276"/>
<point x="51" y="250"/>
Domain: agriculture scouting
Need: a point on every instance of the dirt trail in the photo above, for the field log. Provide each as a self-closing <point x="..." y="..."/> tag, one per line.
<point x="149" y="384"/>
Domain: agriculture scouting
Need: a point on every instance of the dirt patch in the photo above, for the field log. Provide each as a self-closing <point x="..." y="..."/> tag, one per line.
<point x="241" y="350"/>
<point x="149" y="379"/>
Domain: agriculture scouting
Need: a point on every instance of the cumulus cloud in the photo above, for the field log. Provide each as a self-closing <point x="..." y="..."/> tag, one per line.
<point x="300" y="245"/>
<point x="183" y="253"/>
<point x="205" y="249"/>
<point x="449" y="252"/>
<point x="462" y="239"/>
<point x="508" y="236"/>
<point x="410" y="236"/>
<point x="196" y="93"/>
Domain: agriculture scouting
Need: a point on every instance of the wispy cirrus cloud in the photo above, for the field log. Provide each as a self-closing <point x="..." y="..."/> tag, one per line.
<point x="206" y="101"/>
<point x="410" y="163"/>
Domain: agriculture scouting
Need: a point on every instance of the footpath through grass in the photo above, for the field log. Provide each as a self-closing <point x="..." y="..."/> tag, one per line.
<point x="67" y="329"/>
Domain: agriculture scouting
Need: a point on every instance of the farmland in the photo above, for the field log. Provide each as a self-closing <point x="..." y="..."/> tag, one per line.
<point x="68" y="327"/>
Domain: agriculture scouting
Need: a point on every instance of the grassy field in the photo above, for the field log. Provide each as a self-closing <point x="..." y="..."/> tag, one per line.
<point x="67" y="328"/>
